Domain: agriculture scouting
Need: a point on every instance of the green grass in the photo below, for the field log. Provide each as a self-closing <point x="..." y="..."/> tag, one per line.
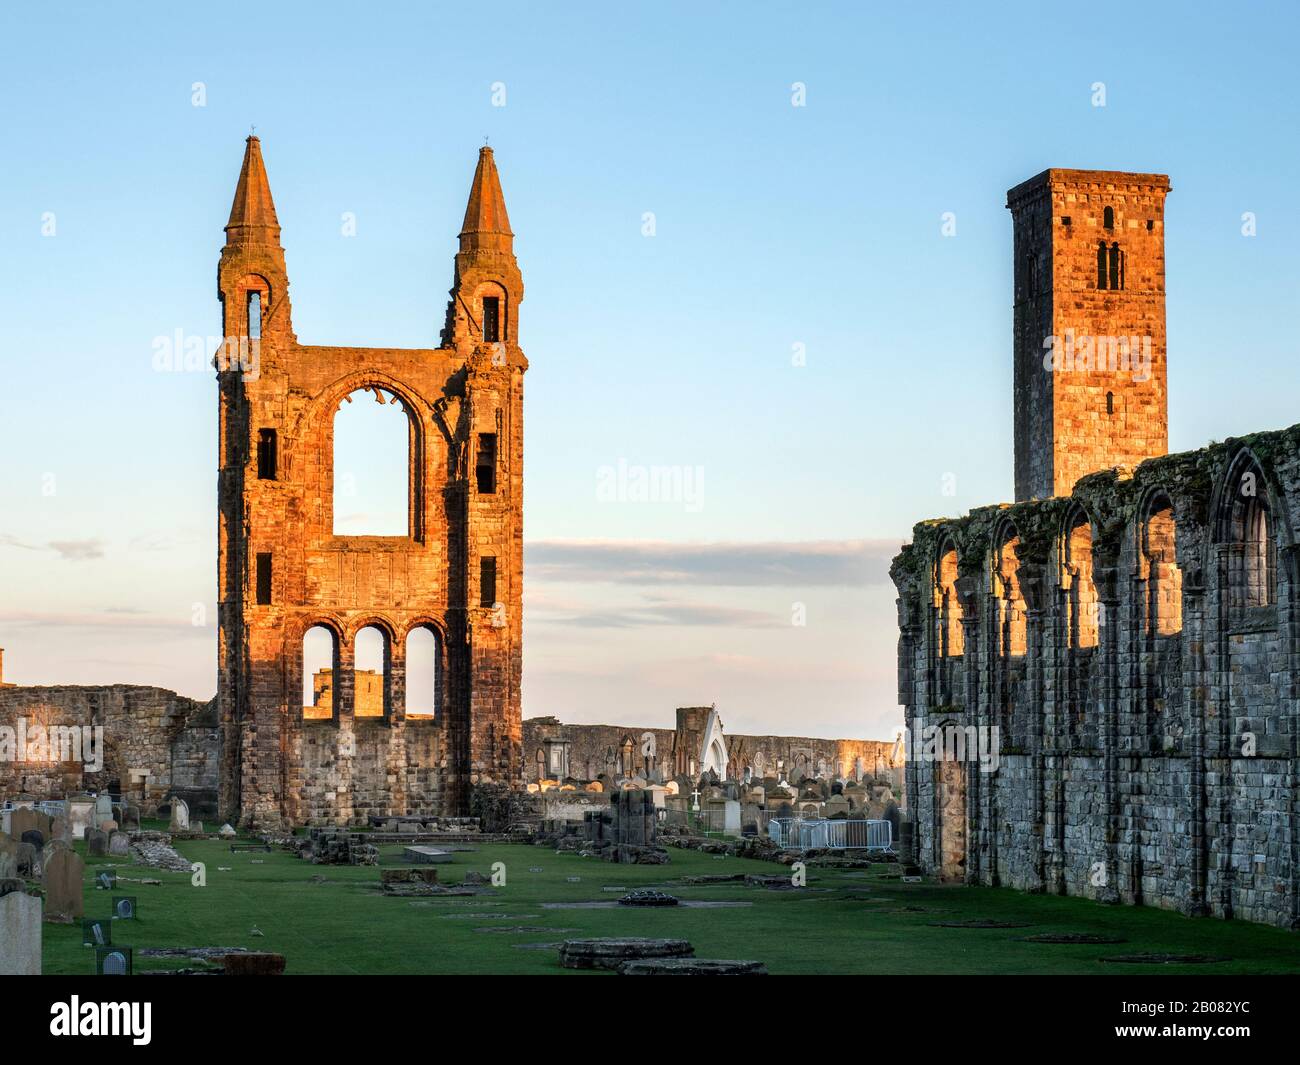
<point x="345" y="926"/>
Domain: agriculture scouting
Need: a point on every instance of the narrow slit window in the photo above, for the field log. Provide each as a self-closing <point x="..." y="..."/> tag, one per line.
<point x="1108" y="218"/>
<point x="1110" y="402"/>
<point x="267" y="456"/>
<point x="485" y="467"/>
<point x="1116" y="275"/>
<point x="487" y="582"/>
<point x="264" y="578"/>
<point x="491" y="319"/>
<point x="254" y="316"/>
<point x="1101" y="265"/>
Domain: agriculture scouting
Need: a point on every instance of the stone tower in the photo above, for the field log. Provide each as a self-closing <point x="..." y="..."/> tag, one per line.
<point x="282" y="570"/>
<point x="1089" y="327"/>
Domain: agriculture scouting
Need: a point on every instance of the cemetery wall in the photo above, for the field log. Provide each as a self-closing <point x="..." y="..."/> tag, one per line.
<point x="146" y="733"/>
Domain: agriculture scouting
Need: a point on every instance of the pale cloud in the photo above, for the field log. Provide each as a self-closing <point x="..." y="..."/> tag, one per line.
<point x="78" y="550"/>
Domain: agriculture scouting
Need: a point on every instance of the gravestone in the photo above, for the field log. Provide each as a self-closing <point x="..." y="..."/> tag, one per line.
<point x="96" y="842"/>
<point x="108" y="825"/>
<point x="64" y="886"/>
<point x="130" y="815"/>
<point x="113" y="961"/>
<point x="103" y="807"/>
<point x="35" y="837"/>
<point x="119" y="844"/>
<point x="27" y="861"/>
<point x="20" y="934"/>
<point x="8" y="858"/>
<point x="96" y="933"/>
<point x="124" y="907"/>
<point x="180" y="821"/>
<point x="81" y="810"/>
<point x="59" y="829"/>
<point x="22" y="820"/>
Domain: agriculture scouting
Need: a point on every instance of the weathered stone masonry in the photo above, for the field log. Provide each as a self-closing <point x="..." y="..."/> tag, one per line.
<point x="1136" y="643"/>
<point x="282" y="570"/>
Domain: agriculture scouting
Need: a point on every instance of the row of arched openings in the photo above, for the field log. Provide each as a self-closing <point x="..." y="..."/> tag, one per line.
<point x="372" y="674"/>
<point x="1245" y="527"/>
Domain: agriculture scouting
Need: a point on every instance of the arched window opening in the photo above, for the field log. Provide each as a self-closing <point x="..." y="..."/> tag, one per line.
<point x="1116" y="267"/>
<point x="254" y="316"/>
<point x="1084" y="605"/>
<point x="1164" y="577"/>
<point x="951" y="635"/>
<point x="1108" y="218"/>
<point x="369" y="673"/>
<point x="1013" y="631"/>
<point x="1110" y="402"/>
<point x="319" y="658"/>
<point x="1252" y="550"/>
<point x="372" y="449"/>
<point x="1101" y="265"/>
<point x="421" y="673"/>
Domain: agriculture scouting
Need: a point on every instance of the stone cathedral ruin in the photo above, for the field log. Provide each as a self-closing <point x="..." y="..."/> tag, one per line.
<point x="283" y="570"/>
<point x="1128" y="631"/>
<point x="290" y="740"/>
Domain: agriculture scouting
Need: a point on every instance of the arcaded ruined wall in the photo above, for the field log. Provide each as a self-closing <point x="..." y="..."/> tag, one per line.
<point x="611" y="750"/>
<point x="1145" y="691"/>
<point x="283" y="571"/>
<point x="144" y="728"/>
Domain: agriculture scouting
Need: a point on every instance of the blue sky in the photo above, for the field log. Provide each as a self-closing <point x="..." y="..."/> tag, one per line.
<point x="774" y="226"/>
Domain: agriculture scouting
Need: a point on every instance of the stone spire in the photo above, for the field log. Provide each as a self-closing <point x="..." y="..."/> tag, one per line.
<point x="252" y="215"/>
<point x="487" y="287"/>
<point x="486" y="226"/>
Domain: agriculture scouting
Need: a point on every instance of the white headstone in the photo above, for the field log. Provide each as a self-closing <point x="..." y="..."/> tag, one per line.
<point x="20" y="934"/>
<point x="180" y="816"/>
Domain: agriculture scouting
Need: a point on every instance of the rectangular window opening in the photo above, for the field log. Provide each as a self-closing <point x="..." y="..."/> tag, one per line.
<point x="254" y="316"/>
<point x="266" y="454"/>
<point x="264" y="578"/>
<point x="485" y="466"/>
<point x="487" y="582"/>
<point x="491" y="319"/>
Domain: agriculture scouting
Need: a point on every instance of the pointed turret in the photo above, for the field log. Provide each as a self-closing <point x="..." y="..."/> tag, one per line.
<point x="252" y="215"/>
<point x="486" y="226"/>
<point x="252" y="278"/>
<point x="487" y="288"/>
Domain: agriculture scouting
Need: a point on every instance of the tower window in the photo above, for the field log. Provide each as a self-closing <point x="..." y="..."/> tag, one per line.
<point x="1110" y="402"/>
<point x="254" y="316"/>
<point x="266" y="454"/>
<point x="487" y="581"/>
<point x="1108" y="218"/>
<point x="1116" y="267"/>
<point x="1065" y="220"/>
<point x="485" y="467"/>
<point x="1150" y="224"/>
<point x="1101" y="265"/>
<point x="264" y="578"/>
<point x="491" y="319"/>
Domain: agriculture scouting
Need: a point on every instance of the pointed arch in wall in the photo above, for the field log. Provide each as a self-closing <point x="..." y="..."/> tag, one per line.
<point x="1082" y="601"/>
<point x="1158" y="564"/>
<point x="1011" y="609"/>
<point x="1245" y="526"/>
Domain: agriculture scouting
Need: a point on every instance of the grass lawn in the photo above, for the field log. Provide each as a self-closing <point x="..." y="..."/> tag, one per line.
<point x="344" y="925"/>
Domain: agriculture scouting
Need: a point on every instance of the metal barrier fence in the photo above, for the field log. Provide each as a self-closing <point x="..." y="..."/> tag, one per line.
<point x="796" y="833"/>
